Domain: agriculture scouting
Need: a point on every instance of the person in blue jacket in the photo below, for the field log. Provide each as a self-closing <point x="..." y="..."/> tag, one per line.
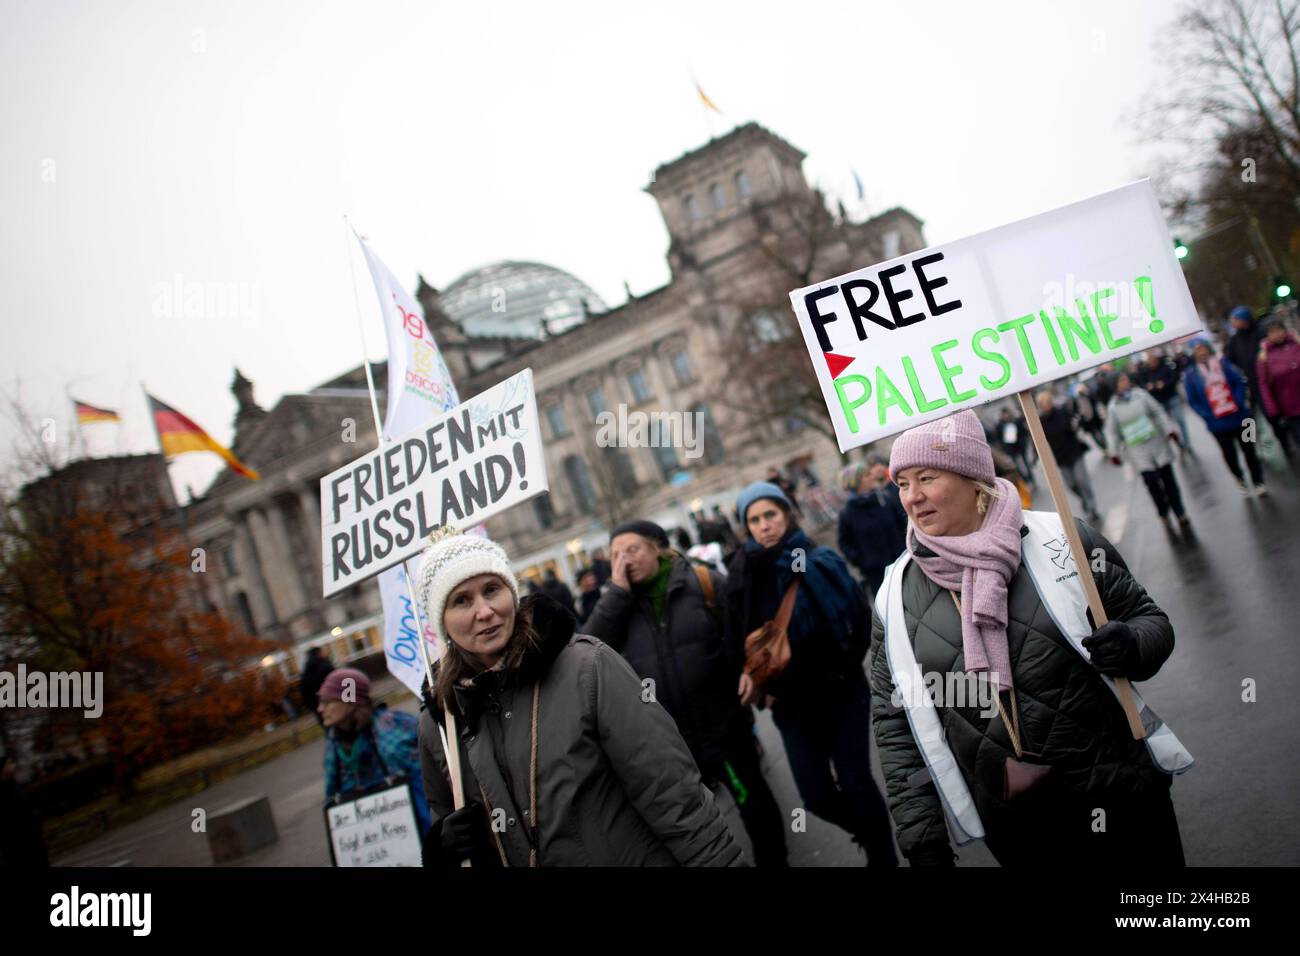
<point x="820" y="701"/>
<point x="1219" y="392"/>
<point x="366" y="744"/>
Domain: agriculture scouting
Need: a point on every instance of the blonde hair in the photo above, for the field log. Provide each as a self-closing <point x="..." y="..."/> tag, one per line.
<point x="987" y="493"/>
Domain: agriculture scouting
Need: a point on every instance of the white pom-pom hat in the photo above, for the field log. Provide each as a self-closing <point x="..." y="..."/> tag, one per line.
<point x="450" y="557"/>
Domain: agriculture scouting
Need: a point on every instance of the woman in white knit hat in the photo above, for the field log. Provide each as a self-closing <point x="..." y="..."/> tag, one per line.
<point x="566" y="759"/>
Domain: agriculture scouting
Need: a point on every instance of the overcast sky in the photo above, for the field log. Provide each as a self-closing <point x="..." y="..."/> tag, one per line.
<point x="144" y="145"/>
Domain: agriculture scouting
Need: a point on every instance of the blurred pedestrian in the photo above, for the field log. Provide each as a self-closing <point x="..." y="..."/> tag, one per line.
<point x="1013" y="438"/>
<point x="367" y="745"/>
<point x="776" y="477"/>
<point x="1137" y="425"/>
<point x="564" y="759"/>
<point x="558" y="591"/>
<point x="872" y="523"/>
<point x="600" y="564"/>
<point x="1278" y="372"/>
<point x="1242" y="349"/>
<point x="1090" y="415"/>
<point x="666" y="616"/>
<point x="787" y="593"/>
<point x="588" y="593"/>
<point x="315" y="669"/>
<point x="1160" y="376"/>
<point x="1059" y="429"/>
<point x="1218" y="392"/>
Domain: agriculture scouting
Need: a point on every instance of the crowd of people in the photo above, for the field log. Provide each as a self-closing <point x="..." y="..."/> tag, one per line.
<point x="617" y="727"/>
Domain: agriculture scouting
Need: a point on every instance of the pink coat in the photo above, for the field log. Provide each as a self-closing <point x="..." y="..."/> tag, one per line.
<point x="1279" y="376"/>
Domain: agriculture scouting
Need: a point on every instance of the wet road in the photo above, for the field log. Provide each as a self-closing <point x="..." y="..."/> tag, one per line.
<point x="1230" y="588"/>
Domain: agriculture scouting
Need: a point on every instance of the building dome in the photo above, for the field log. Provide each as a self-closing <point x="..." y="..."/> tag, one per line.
<point x="518" y="299"/>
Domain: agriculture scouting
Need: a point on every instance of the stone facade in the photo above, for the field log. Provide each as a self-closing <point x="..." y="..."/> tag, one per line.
<point x="745" y="227"/>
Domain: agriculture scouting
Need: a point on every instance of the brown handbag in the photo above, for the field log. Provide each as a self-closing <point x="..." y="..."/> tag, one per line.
<point x="767" y="649"/>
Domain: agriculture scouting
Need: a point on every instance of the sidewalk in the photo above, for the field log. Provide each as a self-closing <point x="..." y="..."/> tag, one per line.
<point x="196" y="773"/>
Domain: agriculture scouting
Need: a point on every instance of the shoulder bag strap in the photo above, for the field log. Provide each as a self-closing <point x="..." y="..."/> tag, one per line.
<point x="786" y="610"/>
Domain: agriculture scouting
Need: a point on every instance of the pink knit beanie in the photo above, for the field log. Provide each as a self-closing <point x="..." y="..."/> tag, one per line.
<point x="955" y="443"/>
<point x="335" y="688"/>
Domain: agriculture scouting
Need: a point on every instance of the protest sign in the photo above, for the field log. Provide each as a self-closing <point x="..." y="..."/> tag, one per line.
<point x="458" y="469"/>
<point x="379" y="828"/>
<point x="925" y="334"/>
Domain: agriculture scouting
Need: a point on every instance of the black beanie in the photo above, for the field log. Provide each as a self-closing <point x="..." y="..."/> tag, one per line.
<point x="646" y="529"/>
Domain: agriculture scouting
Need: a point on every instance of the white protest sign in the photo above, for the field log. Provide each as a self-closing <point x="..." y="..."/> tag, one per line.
<point x="459" y="469"/>
<point x="925" y="334"/>
<point x="379" y="829"/>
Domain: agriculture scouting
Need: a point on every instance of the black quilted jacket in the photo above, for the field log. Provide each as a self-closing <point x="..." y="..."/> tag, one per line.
<point x="1067" y="714"/>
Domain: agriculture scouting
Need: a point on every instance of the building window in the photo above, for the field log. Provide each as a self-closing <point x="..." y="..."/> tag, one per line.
<point x="584" y="492"/>
<point x="693" y="208"/>
<point x="640" y="390"/>
<point x="769" y="327"/>
<point x="621" y="467"/>
<point x="743" y="188"/>
<point x="544" y="510"/>
<point x="555" y="415"/>
<point x="892" y="243"/>
<point x="245" y="611"/>
<point x="596" y="402"/>
<point x="665" y="455"/>
<point x="718" y="196"/>
<point x="681" y="363"/>
<point x="228" y="561"/>
<point x="712" y="438"/>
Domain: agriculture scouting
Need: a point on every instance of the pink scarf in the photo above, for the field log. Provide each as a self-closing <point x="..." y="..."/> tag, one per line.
<point x="979" y="565"/>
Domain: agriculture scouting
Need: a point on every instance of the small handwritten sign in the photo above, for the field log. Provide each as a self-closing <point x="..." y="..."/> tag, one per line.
<point x="379" y="828"/>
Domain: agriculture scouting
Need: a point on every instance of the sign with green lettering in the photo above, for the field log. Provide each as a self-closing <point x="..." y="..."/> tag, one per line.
<point x="971" y="321"/>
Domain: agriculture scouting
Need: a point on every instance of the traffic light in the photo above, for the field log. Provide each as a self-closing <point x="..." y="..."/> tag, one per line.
<point x="1180" y="248"/>
<point x="1281" y="288"/>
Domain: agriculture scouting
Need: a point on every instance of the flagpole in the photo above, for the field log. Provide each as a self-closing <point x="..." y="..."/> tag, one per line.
<point x="361" y="327"/>
<point x="452" y="753"/>
<point x="76" y="418"/>
<point x="153" y="423"/>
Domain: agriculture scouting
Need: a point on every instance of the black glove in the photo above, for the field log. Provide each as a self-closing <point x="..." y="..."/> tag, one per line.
<point x="1113" y="649"/>
<point x="456" y="837"/>
<point x="938" y="854"/>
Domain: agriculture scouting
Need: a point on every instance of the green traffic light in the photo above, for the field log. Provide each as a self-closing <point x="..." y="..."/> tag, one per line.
<point x="1180" y="249"/>
<point x="1283" y="291"/>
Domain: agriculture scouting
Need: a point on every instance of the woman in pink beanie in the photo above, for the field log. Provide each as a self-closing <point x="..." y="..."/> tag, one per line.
<point x="991" y="693"/>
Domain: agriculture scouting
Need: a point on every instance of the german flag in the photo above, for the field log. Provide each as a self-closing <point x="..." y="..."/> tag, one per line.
<point x="177" y="435"/>
<point x="88" y="414"/>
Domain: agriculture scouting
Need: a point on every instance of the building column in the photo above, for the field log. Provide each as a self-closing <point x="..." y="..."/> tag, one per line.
<point x="311" y="523"/>
<point x="271" y="563"/>
<point x="250" y="574"/>
<point x="295" y="593"/>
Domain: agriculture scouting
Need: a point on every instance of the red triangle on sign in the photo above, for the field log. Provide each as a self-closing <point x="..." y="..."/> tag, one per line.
<point x="837" y="363"/>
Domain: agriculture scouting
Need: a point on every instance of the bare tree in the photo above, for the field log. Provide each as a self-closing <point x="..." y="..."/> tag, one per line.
<point x="1231" y="73"/>
<point x="1230" y="116"/>
<point x="768" y="382"/>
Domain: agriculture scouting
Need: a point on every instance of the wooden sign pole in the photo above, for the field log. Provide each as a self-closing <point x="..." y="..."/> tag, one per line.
<point x="1030" y="411"/>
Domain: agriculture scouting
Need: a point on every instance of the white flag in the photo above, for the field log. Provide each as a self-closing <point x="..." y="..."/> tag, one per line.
<point x="419" y="388"/>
